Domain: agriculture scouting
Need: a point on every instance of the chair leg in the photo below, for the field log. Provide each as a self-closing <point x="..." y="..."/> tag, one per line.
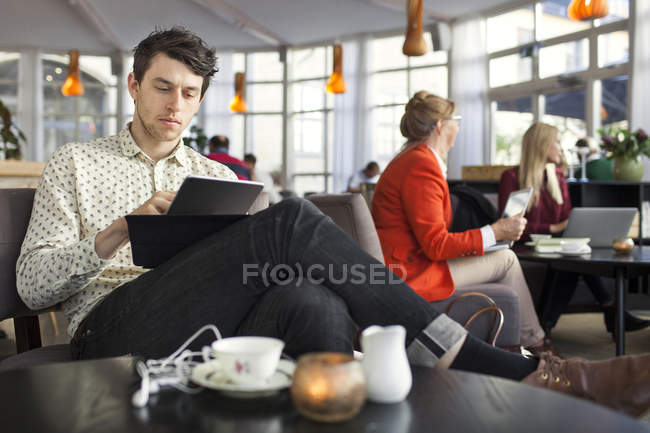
<point x="55" y="326"/>
<point x="28" y="333"/>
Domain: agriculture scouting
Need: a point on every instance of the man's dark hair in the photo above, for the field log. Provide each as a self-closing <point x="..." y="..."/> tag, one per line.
<point x="179" y="44"/>
<point x="372" y="165"/>
<point x="249" y="157"/>
<point x="218" y="141"/>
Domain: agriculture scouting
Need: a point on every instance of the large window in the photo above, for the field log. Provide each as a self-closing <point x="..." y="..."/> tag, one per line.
<point x="394" y="78"/>
<point x="571" y="74"/>
<point x="9" y="84"/>
<point x="311" y="119"/>
<point x="77" y="118"/>
<point x="9" y="80"/>
<point x="259" y="130"/>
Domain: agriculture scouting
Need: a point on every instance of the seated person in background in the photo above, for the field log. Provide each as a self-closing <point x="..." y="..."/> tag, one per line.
<point x="370" y="174"/>
<point x="117" y="308"/>
<point x="548" y="212"/>
<point x="412" y="212"/>
<point x="219" y="147"/>
<point x="259" y="175"/>
<point x="598" y="166"/>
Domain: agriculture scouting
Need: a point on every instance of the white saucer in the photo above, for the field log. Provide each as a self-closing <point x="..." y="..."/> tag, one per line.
<point x="581" y="252"/>
<point x="208" y="375"/>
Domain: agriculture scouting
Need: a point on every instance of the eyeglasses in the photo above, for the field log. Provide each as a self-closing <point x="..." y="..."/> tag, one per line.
<point x="456" y="118"/>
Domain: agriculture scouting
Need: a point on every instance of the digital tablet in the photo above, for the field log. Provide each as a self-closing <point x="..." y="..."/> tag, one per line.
<point x="203" y="195"/>
<point x="516" y="204"/>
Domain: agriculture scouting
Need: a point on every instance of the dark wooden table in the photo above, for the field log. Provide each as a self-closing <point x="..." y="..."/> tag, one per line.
<point x="95" y="396"/>
<point x="604" y="262"/>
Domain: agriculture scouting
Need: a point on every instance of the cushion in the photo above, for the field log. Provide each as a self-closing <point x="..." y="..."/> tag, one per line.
<point x="40" y="356"/>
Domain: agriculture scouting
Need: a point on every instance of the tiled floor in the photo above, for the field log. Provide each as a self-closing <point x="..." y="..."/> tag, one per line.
<point x="582" y="335"/>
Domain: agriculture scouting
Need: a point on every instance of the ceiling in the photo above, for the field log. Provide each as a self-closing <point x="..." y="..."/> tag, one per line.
<point x="102" y="26"/>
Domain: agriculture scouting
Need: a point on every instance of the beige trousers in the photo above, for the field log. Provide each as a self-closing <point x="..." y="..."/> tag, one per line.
<point x="502" y="267"/>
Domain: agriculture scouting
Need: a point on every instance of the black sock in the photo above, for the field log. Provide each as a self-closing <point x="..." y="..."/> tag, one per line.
<point x="479" y="357"/>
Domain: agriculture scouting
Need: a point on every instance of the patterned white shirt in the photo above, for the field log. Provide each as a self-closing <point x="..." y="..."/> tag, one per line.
<point x="83" y="189"/>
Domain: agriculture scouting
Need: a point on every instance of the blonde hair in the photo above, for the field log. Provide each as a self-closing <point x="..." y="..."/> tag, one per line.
<point x="534" y="153"/>
<point x="421" y="114"/>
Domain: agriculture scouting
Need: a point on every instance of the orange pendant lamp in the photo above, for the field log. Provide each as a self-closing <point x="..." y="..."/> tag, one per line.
<point x="336" y="83"/>
<point x="238" y="103"/>
<point x="72" y="85"/>
<point x="580" y="10"/>
<point x="414" y="45"/>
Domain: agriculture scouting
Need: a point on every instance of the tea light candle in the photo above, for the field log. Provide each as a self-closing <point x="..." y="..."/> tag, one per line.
<point x="328" y="387"/>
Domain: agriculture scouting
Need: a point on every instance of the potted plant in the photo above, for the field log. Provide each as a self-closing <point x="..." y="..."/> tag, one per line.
<point x="626" y="148"/>
<point x="197" y="139"/>
<point x="11" y="135"/>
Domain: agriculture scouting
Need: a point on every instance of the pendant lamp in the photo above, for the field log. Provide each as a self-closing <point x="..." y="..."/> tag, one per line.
<point x="336" y="83"/>
<point x="238" y="103"/>
<point x="414" y="45"/>
<point x="72" y="85"/>
<point x="587" y="9"/>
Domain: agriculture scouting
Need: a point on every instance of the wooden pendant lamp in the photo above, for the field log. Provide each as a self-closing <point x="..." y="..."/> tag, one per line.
<point x="414" y="45"/>
<point x="336" y="83"/>
<point x="72" y="85"/>
<point x="238" y="103"/>
<point x="580" y="10"/>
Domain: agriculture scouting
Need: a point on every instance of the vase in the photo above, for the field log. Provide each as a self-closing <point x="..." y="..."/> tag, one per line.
<point x="628" y="169"/>
<point x="387" y="370"/>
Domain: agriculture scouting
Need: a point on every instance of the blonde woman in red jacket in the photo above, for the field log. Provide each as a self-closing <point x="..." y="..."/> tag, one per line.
<point x="412" y="213"/>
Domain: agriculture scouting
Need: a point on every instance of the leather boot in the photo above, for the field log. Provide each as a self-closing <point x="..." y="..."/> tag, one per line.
<point x="621" y="383"/>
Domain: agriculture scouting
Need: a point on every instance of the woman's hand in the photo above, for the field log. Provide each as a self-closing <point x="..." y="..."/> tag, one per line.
<point x="559" y="227"/>
<point x="509" y="229"/>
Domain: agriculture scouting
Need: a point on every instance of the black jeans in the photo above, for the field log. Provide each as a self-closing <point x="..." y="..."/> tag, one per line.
<point x="562" y="292"/>
<point x="287" y="272"/>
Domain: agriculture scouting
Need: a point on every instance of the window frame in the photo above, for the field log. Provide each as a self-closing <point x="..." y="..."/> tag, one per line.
<point x="588" y="79"/>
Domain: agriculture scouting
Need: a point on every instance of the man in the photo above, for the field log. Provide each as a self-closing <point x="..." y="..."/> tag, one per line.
<point x="259" y="175"/>
<point x="287" y="272"/>
<point x="219" y="147"/>
<point x="369" y="174"/>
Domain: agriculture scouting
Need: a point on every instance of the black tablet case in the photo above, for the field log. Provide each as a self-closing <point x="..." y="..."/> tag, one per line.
<point x="157" y="238"/>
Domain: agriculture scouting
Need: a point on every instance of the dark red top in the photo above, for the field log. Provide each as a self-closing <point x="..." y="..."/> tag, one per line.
<point x="546" y="211"/>
<point x="236" y="165"/>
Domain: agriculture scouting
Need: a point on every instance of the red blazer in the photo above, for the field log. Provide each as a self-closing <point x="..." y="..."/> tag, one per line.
<point x="412" y="213"/>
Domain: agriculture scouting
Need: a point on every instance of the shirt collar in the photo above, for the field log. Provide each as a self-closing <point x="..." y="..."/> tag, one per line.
<point x="129" y="147"/>
<point x="441" y="163"/>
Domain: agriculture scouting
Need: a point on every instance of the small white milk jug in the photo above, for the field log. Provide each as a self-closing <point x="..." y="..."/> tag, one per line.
<point x="387" y="370"/>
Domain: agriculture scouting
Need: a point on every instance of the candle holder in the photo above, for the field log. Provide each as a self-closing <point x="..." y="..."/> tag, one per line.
<point x="583" y="152"/>
<point x="328" y="387"/>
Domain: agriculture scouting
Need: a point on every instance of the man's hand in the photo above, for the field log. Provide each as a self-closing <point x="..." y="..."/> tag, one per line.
<point x="156" y="205"/>
<point x="509" y="229"/>
<point x="110" y="240"/>
<point x="559" y="227"/>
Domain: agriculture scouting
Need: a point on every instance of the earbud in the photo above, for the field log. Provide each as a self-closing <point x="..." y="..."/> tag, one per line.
<point x="140" y="398"/>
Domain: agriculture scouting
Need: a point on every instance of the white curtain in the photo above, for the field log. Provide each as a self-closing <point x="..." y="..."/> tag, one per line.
<point x="640" y="103"/>
<point x="469" y="91"/>
<point x="351" y="148"/>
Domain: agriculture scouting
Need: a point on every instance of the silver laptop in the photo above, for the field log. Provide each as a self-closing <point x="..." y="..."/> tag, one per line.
<point x="601" y="224"/>
<point x="516" y="204"/>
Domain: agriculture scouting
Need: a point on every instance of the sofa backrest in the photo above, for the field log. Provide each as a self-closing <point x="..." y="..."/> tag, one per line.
<point x="350" y="212"/>
<point x="15" y="211"/>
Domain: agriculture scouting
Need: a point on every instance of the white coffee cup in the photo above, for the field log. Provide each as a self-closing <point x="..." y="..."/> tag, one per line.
<point x="246" y="360"/>
<point x="572" y="246"/>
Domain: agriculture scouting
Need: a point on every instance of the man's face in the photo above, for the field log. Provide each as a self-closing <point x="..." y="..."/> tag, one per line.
<point x="166" y="98"/>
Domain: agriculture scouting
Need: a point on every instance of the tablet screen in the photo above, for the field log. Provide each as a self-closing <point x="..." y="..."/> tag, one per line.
<point x="517" y="202"/>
